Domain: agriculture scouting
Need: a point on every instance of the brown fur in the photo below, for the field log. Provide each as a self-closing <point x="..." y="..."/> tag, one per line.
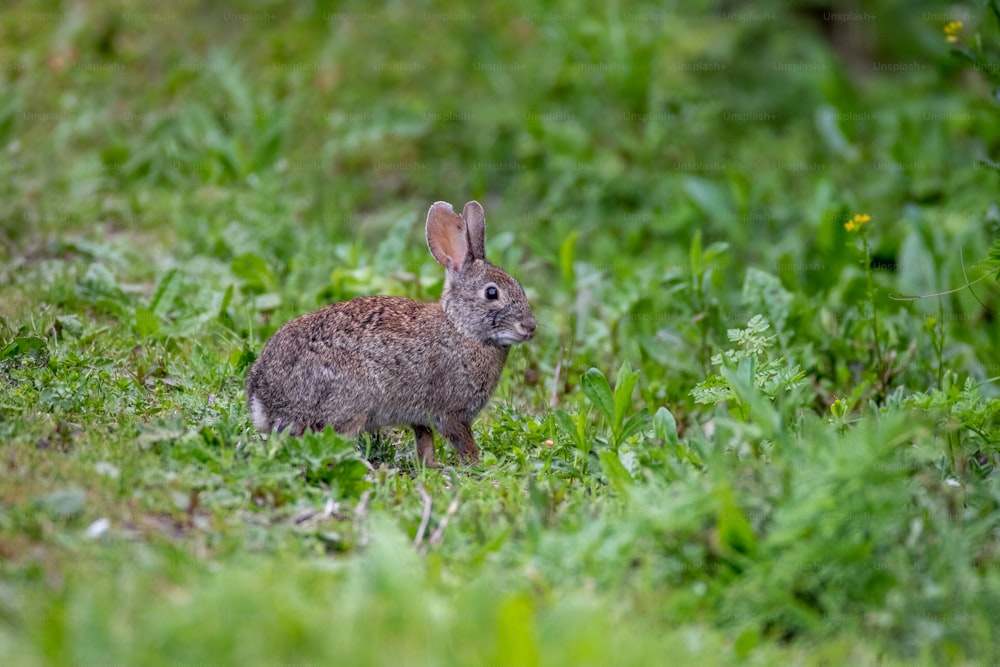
<point x="380" y="361"/>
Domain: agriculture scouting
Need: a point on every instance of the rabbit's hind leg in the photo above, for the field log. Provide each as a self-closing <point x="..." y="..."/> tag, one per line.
<point x="459" y="434"/>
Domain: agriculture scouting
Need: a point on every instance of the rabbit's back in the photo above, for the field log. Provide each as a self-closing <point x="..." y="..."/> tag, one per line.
<point x="370" y="362"/>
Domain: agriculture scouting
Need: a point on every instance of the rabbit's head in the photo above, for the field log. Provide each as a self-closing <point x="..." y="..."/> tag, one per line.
<point x="480" y="299"/>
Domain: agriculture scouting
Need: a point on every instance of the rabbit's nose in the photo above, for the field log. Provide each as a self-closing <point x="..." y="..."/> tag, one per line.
<point x="529" y="325"/>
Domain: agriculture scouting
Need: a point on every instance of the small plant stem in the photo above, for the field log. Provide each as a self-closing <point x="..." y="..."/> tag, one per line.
<point x="939" y="345"/>
<point x="871" y="301"/>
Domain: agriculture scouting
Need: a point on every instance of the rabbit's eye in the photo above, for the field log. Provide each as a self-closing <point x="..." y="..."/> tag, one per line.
<point x="492" y="293"/>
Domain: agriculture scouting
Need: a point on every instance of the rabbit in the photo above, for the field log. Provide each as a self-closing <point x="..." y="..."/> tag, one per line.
<point x="380" y="361"/>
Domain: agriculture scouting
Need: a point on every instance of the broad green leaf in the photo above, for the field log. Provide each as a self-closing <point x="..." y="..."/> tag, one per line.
<point x="665" y="426"/>
<point x="634" y="424"/>
<point x="70" y="324"/>
<point x="32" y="346"/>
<point x="166" y="293"/>
<point x="570" y="426"/>
<point x="241" y="359"/>
<point x="617" y="474"/>
<point x="581" y="433"/>
<point x="714" y="251"/>
<point x="624" y="386"/>
<point x="598" y="392"/>
<point x="697" y="267"/>
<point x="349" y="478"/>
<point x="745" y="369"/>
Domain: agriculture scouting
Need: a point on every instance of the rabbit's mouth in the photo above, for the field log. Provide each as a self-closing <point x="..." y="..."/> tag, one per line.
<point x="522" y="331"/>
<point x="507" y="339"/>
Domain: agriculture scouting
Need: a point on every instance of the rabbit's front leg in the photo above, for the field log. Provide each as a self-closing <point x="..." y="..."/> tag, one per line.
<point x="459" y="434"/>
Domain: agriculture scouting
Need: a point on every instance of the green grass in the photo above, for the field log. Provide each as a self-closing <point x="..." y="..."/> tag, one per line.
<point x="731" y="441"/>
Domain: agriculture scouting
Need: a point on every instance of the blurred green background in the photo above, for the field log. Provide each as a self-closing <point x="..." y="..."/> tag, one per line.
<point x="179" y="179"/>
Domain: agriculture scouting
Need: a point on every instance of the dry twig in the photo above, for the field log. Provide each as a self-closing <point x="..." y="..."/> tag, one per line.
<point x="425" y="518"/>
<point x="360" y="513"/>
<point x="438" y="533"/>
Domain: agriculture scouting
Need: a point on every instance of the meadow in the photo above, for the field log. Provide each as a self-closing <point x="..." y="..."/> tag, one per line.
<point x="759" y="423"/>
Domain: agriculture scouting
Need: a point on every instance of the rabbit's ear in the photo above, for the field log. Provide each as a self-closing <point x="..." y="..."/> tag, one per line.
<point x="475" y="222"/>
<point x="447" y="237"/>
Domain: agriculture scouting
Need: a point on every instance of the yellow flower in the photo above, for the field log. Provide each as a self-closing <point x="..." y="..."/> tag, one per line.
<point x="857" y="222"/>
<point x="951" y="31"/>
